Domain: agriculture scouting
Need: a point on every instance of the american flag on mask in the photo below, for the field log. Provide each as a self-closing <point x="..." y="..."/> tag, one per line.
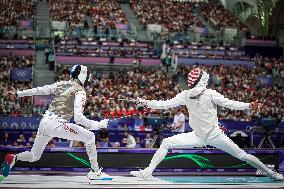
<point x="193" y="76"/>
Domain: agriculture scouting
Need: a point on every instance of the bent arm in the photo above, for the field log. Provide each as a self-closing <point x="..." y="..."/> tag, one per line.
<point x="166" y="104"/>
<point x="45" y="90"/>
<point x="79" y="103"/>
<point x="220" y="100"/>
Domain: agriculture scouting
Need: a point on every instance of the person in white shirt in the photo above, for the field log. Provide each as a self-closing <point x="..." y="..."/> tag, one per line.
<point x="202" y="105"/>
<point x="69" y="100"/>
<point x="148" y="141"/>
<point x="179" y="122"/>
<point x="130" y="140"/>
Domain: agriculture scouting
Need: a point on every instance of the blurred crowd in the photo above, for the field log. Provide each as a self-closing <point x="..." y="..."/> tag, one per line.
<point x="238" y="82"/>
<point x="128" y="84"/>
<point x="126" y="139"/>
<point x="9" y="105"/>
<point x="202" y="50"/>
<point x="180" y="17"/>
<point x="175" y="16"/>
<point x="219" y="17"/>
<point x="110" y="48"/>
<point x="88" y="14"/>
<point x="12" y="11"/>
<point x="244" y="84"/>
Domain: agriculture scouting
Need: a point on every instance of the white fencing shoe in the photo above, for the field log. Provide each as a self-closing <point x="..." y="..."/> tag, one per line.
<point x="276" y="176"/>
<point x="143" y="174"/>
<point x="98" y="175"/>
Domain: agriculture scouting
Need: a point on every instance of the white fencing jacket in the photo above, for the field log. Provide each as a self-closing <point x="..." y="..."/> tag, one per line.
<point x="201" y="104"/>
<point x="69" y="100"/>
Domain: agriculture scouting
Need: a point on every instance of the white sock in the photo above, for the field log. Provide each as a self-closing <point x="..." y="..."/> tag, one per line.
<point x="92" y="153"/>
<point x="25" y="156"/>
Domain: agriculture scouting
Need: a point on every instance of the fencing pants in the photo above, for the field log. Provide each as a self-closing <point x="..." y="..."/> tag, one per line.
<point x="215" y="138"/>
<point x="53" y="126"/>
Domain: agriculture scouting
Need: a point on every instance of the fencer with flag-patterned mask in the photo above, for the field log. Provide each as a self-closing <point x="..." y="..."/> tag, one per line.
<point x="201" y="104"/>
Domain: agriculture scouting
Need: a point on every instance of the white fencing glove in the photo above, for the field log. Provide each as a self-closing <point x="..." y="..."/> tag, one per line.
<point x="103" y="123"/>
<point x="99" y="125"/>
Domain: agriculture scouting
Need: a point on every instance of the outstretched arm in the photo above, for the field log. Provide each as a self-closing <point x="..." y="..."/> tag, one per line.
<point x="45" y="90"/>
<point x="164" y="104"/>
<point x="79" y="103"/>
<point x="220" y="100"/>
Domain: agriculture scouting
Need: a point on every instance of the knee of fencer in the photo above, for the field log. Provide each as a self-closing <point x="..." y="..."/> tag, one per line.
<point x="91" y="140"/>
<point x="165" y="144"/>
<point x="243" y="156"/>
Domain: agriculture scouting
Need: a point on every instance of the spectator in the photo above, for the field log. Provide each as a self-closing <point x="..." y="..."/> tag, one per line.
<point x="123" y="127"/>
<point x="21" y="138"/>
<point x="32" y="138"/>
<point x="46" y="53"/>
<point x="138" y="142"/>
<point x="78" y="144"/>
<point x="116" y="145"/>
<point x="179" y="121"/>
<point x="103" y="135"/>
<point x="6" y="140"/>
<point x="148" y="141"/>
<point x="21" y="141"/>
<point x="51" y="61"/>
<point x="130" y="141"/>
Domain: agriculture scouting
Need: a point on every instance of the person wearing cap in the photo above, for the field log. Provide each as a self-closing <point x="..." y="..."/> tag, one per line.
<point x="201" y="104"/>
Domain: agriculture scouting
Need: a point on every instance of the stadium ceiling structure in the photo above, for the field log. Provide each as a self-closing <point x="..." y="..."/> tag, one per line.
<point x="229" y="4"/>
<point x="254" y="10"/>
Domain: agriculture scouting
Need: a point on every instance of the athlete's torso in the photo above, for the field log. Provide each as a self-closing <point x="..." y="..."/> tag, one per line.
<point x="202" y="112"/>
<point x="64" y="96"/>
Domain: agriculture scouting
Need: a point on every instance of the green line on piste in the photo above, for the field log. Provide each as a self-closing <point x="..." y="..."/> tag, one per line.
<point x="196" y="158"/>
<point x="243" y="164"/>
<point x="85" y="162"/>
<point x="199" y="160"/>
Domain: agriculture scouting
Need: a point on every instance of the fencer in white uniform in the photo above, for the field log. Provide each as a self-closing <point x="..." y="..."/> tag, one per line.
<point x="69" y="100"/>
<point x="202" y="105"/>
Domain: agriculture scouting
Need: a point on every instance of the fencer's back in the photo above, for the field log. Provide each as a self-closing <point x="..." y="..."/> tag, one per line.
<point x="64" y="96"/>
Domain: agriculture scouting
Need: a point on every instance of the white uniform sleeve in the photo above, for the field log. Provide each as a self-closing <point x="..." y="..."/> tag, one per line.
<point x="79" y="103"/>
<point x="45" y="90"/>
<point x="178" y="100"/>
<point x="220" y="100"/>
